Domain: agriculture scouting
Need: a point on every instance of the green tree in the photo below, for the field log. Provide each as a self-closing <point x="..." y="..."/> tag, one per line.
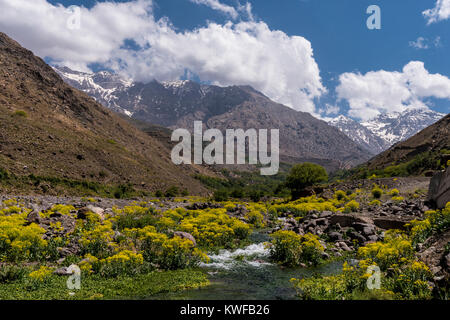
<point x="172" y="192"/>
<point x="220" y="195"/>
<point x="237" y="193"/>
<point x="256" y="195"/>
<point x="304" y="175"/>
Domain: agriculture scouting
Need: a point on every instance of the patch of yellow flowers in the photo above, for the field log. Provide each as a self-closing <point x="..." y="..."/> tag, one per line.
<point x="19" y="241"/>
<point x="402" y="276"/>
<point x="435" y="221"/>
<point x="395" y="247"/>
<point x="42" y="274"/>
<point x="291" y="249"/>
<point x="303" y="206"/>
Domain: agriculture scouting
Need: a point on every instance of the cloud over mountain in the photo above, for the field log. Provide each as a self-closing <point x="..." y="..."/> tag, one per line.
<point x="127" y="38"/>
<point x="377" y="92"/>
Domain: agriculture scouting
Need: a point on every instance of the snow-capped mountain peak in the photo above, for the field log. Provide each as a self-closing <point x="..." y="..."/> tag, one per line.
<point x="387" y="129"/>
<point x="103" y="86"/>
<point x="399" y="126"/>
<point x="358" y="133"/>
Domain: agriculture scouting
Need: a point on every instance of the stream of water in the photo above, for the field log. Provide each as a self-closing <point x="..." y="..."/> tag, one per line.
<point x="247" y="274"/>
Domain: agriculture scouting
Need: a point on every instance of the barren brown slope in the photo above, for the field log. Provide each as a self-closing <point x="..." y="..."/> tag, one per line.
<point x="432" y="138"/>
<point x="64" y="133"/>
<point x="302" y="137"/>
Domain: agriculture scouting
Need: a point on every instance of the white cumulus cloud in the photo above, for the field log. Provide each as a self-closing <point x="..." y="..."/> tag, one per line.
<point x="420" y="43"/>
<point x="217" y="5"/>
<point x="247" y="53"/>
<point x="42" y="27"/>
<point x="244" y="53"/>
<point x="425" y="43"/>
<point x="441" y="11"/>
<point x="383" y="91"/>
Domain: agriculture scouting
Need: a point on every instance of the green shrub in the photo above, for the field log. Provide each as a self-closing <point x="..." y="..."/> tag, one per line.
<point x="351" y="206"/>
<point x="19" y="242"/>
<point x="320" y="288"/>
<point x="435" y="222"/>
<point x="303" y="206"/>
<point x="172" y="192"/>
<point x="220" y="195"/>
<point x="256" y="196"/>
<point x="159" y="194"/>
<point x="340" y="195"/>
<point x="123" y="263"/>
<point x="20" y="113"/>
<point x="398" y="199"/>
<point x="4" y="175"/>
<point x="291" y="249"/>
<point x="237" y="193"/>
<point x="11" y="273"/>
<point x="123" y="191"/>
<point x="305" y="175"/>
<point x="377" y="192"/>
<point x="256" y="218"/>
<point x="135" y="217"/>
<point x="394" y="192"/>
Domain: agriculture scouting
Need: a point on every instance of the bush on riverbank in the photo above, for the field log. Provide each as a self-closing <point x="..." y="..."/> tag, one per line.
<point x="402" y="276"/>
<point x="291" y="249"/>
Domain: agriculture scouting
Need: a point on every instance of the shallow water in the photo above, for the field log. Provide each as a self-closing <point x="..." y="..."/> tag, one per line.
<point x="246" y="274"/>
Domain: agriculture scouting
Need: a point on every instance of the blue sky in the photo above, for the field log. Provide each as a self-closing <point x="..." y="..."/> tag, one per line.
<point x="339" y="35"/>
<point x="340" y="41"/>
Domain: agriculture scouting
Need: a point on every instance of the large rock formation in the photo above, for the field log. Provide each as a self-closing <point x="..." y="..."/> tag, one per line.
<point x="439" y="190"/>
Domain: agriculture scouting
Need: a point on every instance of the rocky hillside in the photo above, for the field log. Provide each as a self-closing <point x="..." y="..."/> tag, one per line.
<point x="432" y="139"/>
<point x="50" y="129"/>
<point x="177" y="104"/>
<point x="360" y="134"/>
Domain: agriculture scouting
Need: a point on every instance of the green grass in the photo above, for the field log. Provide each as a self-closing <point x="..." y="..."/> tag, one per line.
<point x="96" y="287"/>
<point x="20" y="113"/>
<point x="414" y="167"/>
<point x="243" y="184"/>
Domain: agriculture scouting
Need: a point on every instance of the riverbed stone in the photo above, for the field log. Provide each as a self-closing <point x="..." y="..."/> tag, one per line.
<point x="344" y="246"/>
<point x="62" y="272"/>
<point x="389" y="223"/>
<point x="185" y="235"/>
<point x="326" y="214"/>
<point x="345" y="220"/>
<point x="322" y="222"/>
<point x="34" y="217"/>
<point x="335" y="236"/>
<point x="447" y="261"/>
<point x="365" y="228"/>
<point x="357" y="236"/>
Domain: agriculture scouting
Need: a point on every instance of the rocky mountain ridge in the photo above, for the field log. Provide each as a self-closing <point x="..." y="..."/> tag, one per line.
<point x="53" y="131"/>
<point x="385" y="130"/>
<point x="178" y="104"/>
